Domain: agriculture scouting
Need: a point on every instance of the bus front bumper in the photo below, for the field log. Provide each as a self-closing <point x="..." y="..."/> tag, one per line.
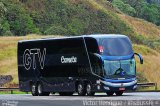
<point x="109" y="86"/>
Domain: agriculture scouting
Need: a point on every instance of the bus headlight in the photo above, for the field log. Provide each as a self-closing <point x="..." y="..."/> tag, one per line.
<point x="135" y="87"/>
<point x="106" y="88"/>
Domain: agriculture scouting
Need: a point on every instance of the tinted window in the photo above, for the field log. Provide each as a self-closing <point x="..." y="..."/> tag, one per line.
<point x="115" y="46"/>
<point x="92" y="45"/>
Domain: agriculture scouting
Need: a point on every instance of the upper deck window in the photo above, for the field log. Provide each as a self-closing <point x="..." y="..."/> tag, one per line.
<point x="115" y="46"/>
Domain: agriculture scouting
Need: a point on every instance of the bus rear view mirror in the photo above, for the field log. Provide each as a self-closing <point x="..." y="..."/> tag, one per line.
<point x="140" y="57"/>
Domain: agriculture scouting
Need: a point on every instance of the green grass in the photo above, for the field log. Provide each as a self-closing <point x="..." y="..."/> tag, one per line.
<point x="14" y="92"/>
<point x="142" y="49"/>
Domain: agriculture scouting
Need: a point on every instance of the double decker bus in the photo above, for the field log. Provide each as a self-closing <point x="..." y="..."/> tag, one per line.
<point x="83" y="64"/>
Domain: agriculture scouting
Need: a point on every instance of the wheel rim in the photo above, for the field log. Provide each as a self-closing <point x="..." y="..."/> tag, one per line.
<point x="33" y="89"/>
<point x="39" y="89"/>
<point x="80" y="88"/>
<point x="88" y="88"/>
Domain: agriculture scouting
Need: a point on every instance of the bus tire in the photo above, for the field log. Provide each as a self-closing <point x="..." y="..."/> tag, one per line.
<point x="110" y="93"/>
<point x="34" y="90"/>
<point x="89" y="90"/>
<point x="119" y="93"/>
<point x="40" y="90"/>
<point x="81" y="89"/>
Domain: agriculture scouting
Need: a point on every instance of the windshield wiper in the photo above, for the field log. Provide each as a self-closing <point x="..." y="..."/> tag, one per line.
<point x="120" y="71"/>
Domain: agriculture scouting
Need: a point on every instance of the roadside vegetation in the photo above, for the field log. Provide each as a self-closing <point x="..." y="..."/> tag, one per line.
<point x="145" y="9"/>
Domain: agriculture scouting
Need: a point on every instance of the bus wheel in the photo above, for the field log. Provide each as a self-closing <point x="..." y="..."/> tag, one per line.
<point x="81" y="89"/>
<point x="34" y="90"/>
<point x="88" y="90"/>
<point x="119" y="93"/>
<point x="40" y="91"/>
<point x="110" y="93"/>
<point x="65" y="93"/>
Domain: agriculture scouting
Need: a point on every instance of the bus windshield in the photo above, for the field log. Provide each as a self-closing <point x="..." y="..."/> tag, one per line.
<point x="120" y="68"/>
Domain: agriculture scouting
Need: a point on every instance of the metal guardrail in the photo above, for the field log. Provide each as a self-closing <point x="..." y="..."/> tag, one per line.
<point x="148" y="85"/>
<point x="9" y="89"/>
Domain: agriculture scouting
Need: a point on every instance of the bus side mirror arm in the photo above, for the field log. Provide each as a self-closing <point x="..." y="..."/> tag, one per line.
<point x="99" y="56"/>
<point x="140" y="57"/>
<point x="101" y="61"/>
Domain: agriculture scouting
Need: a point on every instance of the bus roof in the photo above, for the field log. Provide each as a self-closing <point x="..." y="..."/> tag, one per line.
<point x="105" y="35"/>
<point x="92" y="36"/>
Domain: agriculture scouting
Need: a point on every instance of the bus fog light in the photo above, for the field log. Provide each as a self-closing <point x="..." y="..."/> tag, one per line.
<point x="98" y="81"/>
<point x="106" y="88"/>
<point x="135" y="87"/>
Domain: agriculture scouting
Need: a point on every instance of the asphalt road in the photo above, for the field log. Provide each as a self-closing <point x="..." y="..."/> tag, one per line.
<point x="100" y="99"/>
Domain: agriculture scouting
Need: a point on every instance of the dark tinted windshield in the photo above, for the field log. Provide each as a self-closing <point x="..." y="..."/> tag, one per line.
<point x="115" y="46"/>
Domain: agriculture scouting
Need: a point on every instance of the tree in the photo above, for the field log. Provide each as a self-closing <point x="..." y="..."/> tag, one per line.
<point x="140" y="8"/>
<point x="2" y="9"/>
<point x="124" y="7"/>
<point x="150" y="13"/>
<point x="56" y="30"/>
<point x="20" y="21"/>
<point x="4" y="25"/>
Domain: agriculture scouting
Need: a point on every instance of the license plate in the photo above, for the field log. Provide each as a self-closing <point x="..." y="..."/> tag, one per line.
<point x="121" y="89"/>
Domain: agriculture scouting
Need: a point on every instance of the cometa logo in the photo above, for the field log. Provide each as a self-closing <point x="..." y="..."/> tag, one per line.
<point x="30" y="56"/>
<point x="68" y="59"/>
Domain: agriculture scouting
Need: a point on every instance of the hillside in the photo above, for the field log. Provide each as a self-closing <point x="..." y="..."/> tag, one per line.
<point x="142" y="27"/>
<point x="74" y="17"/>
<point x="144" y="9"/>
<point x="62" y="17"/>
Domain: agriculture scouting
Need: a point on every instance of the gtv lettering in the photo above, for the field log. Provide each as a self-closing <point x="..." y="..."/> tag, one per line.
<point x="29" y="58"/>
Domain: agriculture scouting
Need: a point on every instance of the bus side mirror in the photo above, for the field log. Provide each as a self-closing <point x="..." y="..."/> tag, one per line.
<point x="140" y="57"/>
